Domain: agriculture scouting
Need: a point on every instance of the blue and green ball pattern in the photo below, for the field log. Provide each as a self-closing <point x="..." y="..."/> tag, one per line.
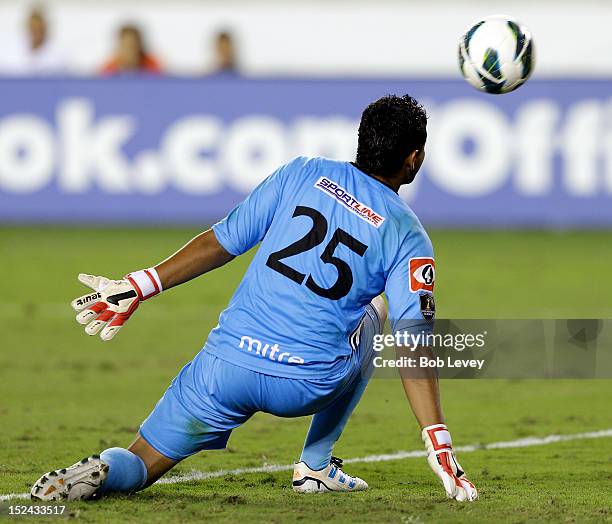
<point x="496" y="55"/>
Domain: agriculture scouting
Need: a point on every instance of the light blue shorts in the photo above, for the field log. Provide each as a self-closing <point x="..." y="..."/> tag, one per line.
<point x="210" y="397"/>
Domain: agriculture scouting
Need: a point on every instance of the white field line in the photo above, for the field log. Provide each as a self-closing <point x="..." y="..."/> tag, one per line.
<point x="271" y="468"/>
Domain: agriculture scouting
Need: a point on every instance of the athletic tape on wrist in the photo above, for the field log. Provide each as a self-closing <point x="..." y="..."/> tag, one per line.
<point x="438" y="436"/>
<point x="146" y="282"/>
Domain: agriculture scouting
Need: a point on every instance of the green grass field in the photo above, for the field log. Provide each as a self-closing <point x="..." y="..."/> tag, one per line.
<point x="64" y="395"/>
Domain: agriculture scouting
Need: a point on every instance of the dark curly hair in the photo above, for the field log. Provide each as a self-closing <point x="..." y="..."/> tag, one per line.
<point x="390" y="129"/>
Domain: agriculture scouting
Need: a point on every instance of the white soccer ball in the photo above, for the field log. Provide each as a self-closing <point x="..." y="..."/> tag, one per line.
<point x="496" y="55"/>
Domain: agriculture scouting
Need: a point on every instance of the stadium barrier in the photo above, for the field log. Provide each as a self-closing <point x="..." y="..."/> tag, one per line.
<point x="174" y="150"/>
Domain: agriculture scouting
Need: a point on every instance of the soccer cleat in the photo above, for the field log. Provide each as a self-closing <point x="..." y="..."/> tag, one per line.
<point x="331" y="478"/>
<point x="78" y="482"/>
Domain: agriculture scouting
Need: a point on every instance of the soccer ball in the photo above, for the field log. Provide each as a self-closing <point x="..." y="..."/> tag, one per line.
<point x="496" y="55"/>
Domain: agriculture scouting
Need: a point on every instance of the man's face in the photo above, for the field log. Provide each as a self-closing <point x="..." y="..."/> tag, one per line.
<point x="225" y="53"/>
<point x="38" y="31"/>
<point x="129" y="50"/>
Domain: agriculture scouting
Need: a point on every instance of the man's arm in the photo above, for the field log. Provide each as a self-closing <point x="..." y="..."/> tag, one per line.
<point x="113" y="302"/>
<point x="422" y="391"/>
<point x="409" y="289"/>
<point x="200" y="255"/>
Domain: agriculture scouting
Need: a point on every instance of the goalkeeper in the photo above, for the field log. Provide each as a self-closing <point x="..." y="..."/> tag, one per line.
<point x="297" y="336"/>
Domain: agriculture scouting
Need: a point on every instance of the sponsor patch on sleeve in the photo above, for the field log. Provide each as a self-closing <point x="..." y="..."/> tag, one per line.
<point x="422" y="274"/>
<point x="428" y="306"/>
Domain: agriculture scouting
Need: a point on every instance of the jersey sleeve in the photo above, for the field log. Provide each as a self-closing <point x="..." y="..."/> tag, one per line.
<point x="249" y="221"/>
<point x="410" y="284"/>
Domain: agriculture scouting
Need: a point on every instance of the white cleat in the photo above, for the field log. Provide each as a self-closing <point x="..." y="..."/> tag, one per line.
<point x="78" y="482"/>
<point x="331" y="478"/>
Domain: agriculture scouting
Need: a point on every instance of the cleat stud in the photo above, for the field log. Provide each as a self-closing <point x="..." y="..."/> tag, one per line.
<point x="62" y="471"/>
<point x="85" y="460"/>
<point x="53" y="474"/>
<point x="95" y="457"/>
<point x="105" y="468"/>
<point x="95" y="474"/>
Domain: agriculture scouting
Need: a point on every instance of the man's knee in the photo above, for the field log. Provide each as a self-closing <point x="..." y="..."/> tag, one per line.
<point x="380" y="306"/>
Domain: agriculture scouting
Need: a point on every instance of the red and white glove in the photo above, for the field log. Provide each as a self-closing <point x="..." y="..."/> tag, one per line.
<point x="113" y="301"/>
<point x="442" y="461"/>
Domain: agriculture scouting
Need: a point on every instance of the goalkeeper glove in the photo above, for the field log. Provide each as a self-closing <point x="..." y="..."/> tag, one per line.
<point x="442" y="461"/>
<point x="113" y="302"/>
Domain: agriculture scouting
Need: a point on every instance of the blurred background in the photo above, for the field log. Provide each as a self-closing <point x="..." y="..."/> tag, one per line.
<point x="178" y="110"/>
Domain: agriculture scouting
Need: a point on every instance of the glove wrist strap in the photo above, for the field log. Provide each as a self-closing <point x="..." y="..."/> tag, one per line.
<point x="146" y="282"/>
<point x="436" y="438"/>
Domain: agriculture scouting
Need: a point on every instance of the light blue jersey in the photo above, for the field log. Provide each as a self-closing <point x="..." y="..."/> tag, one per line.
<point x="332" y="238"/>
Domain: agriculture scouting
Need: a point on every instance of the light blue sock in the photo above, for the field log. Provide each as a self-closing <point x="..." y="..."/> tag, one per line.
<point x="327" y="426"/>
<point x="127" y="472"/>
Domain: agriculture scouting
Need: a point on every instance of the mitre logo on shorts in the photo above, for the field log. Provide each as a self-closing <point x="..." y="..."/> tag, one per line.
<point x="422" y="274"/>
<point x="364" y="212"/>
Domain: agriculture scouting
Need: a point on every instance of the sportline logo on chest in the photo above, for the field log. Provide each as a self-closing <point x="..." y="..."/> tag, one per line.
<point x="422" y="274"/>
<point x="364" y="212"/>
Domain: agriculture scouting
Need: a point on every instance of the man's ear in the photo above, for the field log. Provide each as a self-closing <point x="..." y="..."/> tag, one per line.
<point x="410" y="161"/>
